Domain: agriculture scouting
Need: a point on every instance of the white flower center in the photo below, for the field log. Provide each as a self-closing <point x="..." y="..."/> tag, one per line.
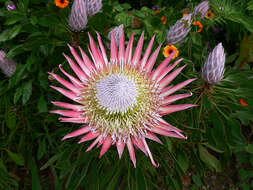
<point x="116" y="93"/>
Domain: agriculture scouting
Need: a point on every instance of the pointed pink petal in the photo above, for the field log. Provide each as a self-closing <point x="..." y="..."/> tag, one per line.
<point x="75" y="81"/>
<point x="68" y="106"/>
<point x="89" y="136"/>
<point x="73" y="120"/>
<point x="167" y="133"/>
<point x="94" y="53"/>
<point x="87" y="60"/>
<point x="120" y="148"/>
<point x="66" y="93"/>
<point x="114" y="52"/>
<point x="67" y="113"/>
<point x="171" y="127"/>
<point x="101" y="141"/>
<point x="122" y="45"/>
<point x="139" y="144"/>
<point x="149" y="153"/>
<point x="94" y="143"/>
<point x="152" y="59"/>
<point x="102" y="48"/>
<point x="81" y="75"/>
<point x="138" y="50"/>
<point x="106" y="145"/>
<point x="152" y="137"/>
<point x="167" y="92"/>
<point x="65" y="83"/>
<point x="159" y="70"/>
<point x="78" y="132"/>
<point x="147" y="52"/>
<point x="131" y="151"/>
<point x="170" y="99"/>
<point x="174" y="108"/>
<point x="129" y="49"/>
<point x="164" y="82"/>
<point x="79" y="60"/>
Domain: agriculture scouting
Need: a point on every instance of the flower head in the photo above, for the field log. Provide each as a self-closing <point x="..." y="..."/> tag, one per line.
<point x="61" y="3"/>
<point x="202" y="9"/>
<point x="243" y="103"/>
<point x="197" y="23"/>
<point x="120" y="101"/>
<point x="11" y="6"/>
<point x="93" y="6"/>
<point x="213" y="69"/>
<point x="8" y="66"/>
<point x="168" y="50"/>
<point x="178" y="31"/>
<point x="78" y="16"/>
<point x="209" y="14"/>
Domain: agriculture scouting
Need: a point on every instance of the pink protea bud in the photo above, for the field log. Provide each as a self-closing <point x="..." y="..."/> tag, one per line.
<point x="78" y="16"/>
<point x="11" y="6"/>
<point x="202" y="9"/>
<point x="213" y="69"/>
<point x="178" y="31"/>
<point x="8" y="66"/>
<point x="117" y="33"/>
<point x="93" y="6"/>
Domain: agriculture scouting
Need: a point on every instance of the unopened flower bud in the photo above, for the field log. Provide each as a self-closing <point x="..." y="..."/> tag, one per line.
<point x="93" y="7"/>
<point x="78" y="16"/>
<point x="178" y="31"/>
<point x="117" y="33"/>
<point x="8" y="66"/>
<point x="201" y="9"/>
<point x="213" y="69"/>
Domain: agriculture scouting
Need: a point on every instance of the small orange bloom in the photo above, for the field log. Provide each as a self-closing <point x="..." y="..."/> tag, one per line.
<point x="169" y="50"/>
<point x="165" y="21"/>
<point x="243" y="103"/>
<point x="156" y="12"/>
<point x="61" y="3"/>
<point x="209" y="14"/>
<point x="163" y="18"/>
<point x="197" y="23"/>
<point x="184" y="14"/>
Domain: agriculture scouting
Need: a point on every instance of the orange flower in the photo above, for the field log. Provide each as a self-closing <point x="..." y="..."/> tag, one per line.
<point x="169" y="50"/>
<point x="156" y="12"/>
<point x="165" y="21"/>
<point x="163" y="18"/>
<point x="243" y="103"/>
<point x="209" y="14"/>
<point x="61" y="3"/>
<point x="197" y="23"/>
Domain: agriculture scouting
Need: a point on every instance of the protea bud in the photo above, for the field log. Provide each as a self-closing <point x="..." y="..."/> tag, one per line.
<point x="213" y="69"/>
<point x="93" y="6"/>
<point x="11" y="6"/>
<point x="202" y="9"/>
<point x="178" y="31"/>
<point x="8" y="66"/>
<point x="78" y="16"/>
<point x="117" y="33"/>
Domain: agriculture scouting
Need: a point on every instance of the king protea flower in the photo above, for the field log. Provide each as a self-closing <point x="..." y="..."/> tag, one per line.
<point x="214" y="67"/>
<point x="120" y="101"/>
<point x="78" y="16"/>
<point x="201" y="9"/>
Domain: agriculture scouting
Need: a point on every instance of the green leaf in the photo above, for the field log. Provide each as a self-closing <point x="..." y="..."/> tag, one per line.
<point x="17" y="158"/>
<point x="140" y="179"/>
<point x="15" y="31"/>
<point x="18" y="94"/>
<point x="196" y="179"/>
<point x="4" y="36"/>
<point x="50" y="161"/>
<point x="42" y="105"/>
<point x="34" y="174"/>
<point x="10" y="119"/>
<point x="27" y="92"/>
<point x="249" y="148"/>
<point x="209" y="159"/>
